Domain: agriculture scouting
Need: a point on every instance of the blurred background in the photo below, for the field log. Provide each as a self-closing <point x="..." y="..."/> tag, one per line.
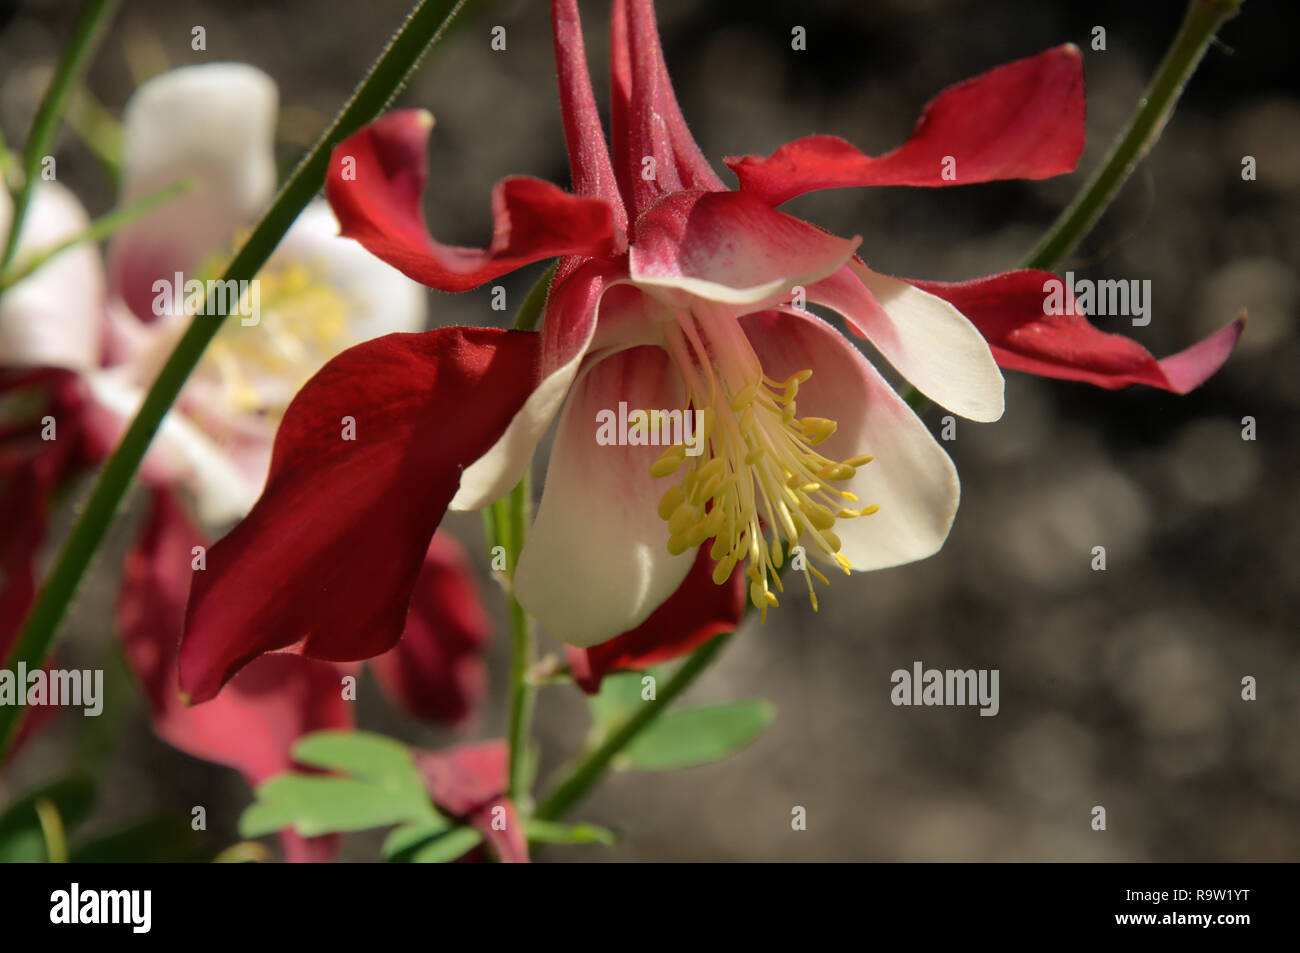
<point x="1119" y="688"/>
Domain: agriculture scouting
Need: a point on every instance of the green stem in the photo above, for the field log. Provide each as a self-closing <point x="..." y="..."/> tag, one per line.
<point x="52" y="830"/>
<point x="1202" y="19"/>
<point x="98" y="230"/>
<point x="76" y="57"/>
<point x="425" y="25"/>
<point x="588" y="772"/>
<point x="507" y="522"/>
<point x="523" y="694"/>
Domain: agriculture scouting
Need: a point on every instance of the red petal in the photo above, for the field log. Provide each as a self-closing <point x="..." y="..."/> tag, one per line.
<point x="1010" y="311"/>
<point x="1022" y="120"/>
<point x="645" y="117"/>
<point x="589" y="163"/>
<point x="436" y="670"/>
<point x="695" y="613"/>
<point x="330" y="553"/>
<point x="31" y="471"/>
<point x="469" y="783"/>
<point x="465" y="778"/>
<point x="377" y="198"/>
<point x="254" y="723"/>
<point x="250" y="726"/>
<point x="503" y="830"/>
<point x="728" y="246"/>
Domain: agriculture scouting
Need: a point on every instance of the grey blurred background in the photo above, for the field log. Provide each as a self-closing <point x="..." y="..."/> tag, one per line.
<point x="1119" y="688"/>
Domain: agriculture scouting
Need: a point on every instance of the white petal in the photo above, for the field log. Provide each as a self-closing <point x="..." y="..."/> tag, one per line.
<point x="213" y="124"/>
<point x="911" y="479"/>
<point x="595" y="564"/>
<point x="382" y="300"/>
<point x="182" y="452"/>
<point x="929" y="341"/>
<point x="579" y="322"/>
<point x="55" y="317"/>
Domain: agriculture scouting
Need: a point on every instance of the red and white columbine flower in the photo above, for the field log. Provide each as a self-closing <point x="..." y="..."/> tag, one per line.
<point x="672" y="292"/>
<point x="91" y="339"/>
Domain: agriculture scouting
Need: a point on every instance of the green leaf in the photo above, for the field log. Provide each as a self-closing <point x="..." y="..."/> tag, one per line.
<point x="620" y="695"/>
<point x="402" y="842"/>
<point x="694" y="736"/>
<point x="551" y="832"/>
<point x="384" y="788"/>
<point x="447" y="846"/>
<point x="21" y="838"/>
<point x="365" y="755"/>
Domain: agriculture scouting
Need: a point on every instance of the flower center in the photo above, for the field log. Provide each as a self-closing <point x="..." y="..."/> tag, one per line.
<point x="302" y="323"/>
<point x="758" y="470"/>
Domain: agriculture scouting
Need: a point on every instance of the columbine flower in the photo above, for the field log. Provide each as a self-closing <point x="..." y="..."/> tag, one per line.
<point x="673" y="292"/>
<point x="81" y="348"/>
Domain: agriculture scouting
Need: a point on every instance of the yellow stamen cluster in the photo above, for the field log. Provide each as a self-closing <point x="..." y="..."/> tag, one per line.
<point x="303" y="323"/>
<point x="758" y="469"/>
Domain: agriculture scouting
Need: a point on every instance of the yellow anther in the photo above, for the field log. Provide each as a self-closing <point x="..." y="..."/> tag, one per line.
<point x="868" y="510"/>
<point x="721" y="546"/>
<point x="682" y="517"/>
<point x="745" y="397"/>
<point x="669" y="462"/>
<point x="820" y="516"/>
<point x="817" y="429"/>
<point x="669" y="501"/>
<point x="714" y="468"/>
<point x="758" y="488"/>
<point x="836" y="471"/>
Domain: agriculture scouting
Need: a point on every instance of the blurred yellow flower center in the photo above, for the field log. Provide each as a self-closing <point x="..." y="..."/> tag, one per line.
<point x="757" y="468"/>
<point x="303" y="322"/>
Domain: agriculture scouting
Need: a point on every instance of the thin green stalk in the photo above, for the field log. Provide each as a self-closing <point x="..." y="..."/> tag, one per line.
<point x="507" y="522"/>
<point x="6" y="162"/>
<point x="76" y="57"/>
<point x="425" y="25"/>
<point x="588" y="772"/>
<point x="523" y="694"/>
<point x="97" y="128"/>
<point x="1203" y="18"/>
<point x="98" y="230"/>
<point x="52" y="831"/>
